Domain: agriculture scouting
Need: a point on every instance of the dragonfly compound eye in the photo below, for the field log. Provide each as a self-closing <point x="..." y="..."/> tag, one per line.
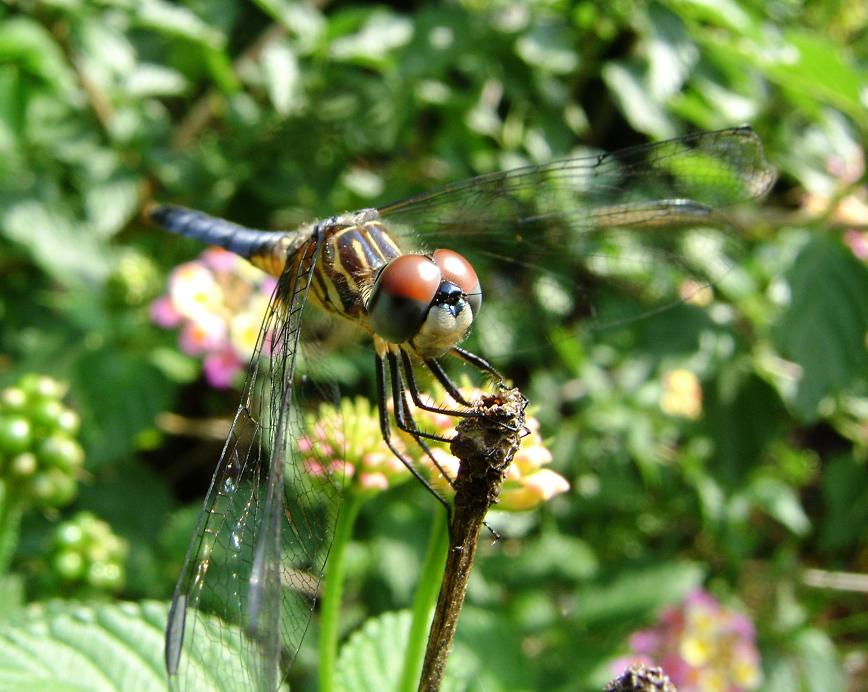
<point x="402" y="294"/>
<point x="457" y="270"/>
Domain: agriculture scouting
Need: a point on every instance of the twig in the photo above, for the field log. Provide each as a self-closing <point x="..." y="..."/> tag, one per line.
<point x="485" y="446"/>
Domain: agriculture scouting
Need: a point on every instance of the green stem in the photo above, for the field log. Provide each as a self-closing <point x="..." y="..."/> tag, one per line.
<point x="330" y="603"/>
<point x="425" y="601"/>
<point x="10" y="523"/>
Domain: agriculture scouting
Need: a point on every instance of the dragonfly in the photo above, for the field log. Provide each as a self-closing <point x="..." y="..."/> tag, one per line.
<point x="647" y="219"/>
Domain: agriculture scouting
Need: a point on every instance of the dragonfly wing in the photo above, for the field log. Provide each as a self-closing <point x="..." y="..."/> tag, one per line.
<point x="605" y="218"/>
<point x="717" y="169"/>
<point x="252" y="572"/>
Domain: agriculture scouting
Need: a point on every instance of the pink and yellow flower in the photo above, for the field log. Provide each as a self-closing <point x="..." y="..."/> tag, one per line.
<point x="702" y="646"/>
<point x="218" y="302"/>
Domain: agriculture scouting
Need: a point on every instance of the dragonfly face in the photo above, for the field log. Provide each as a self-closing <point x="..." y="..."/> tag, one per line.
<point x="428" y="301"/>
<point x="576" y="223"/>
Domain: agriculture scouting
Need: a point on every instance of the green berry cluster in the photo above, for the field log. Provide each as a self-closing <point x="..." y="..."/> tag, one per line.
<point x="85" y="553"/>
<point x="40" y="458"/>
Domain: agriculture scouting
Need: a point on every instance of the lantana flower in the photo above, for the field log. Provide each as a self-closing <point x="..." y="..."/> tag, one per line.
<point x="218" y="303"/>
<point x="702" y="646"/>
<point x="344" y="444"/>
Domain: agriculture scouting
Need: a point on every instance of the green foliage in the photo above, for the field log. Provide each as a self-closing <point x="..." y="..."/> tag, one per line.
<point x="117" y="645"/>
<point x="273" y="113"/>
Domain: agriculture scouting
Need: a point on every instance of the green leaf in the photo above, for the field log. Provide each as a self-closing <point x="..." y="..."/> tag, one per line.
<point x="154" y="80"/>
<point x="59" y="646"/>
<point x="742" y="414"/>
<point x="118" y="395"/>
<point x="12" y="595"/>
<point x="824" y="327"/>
<point x="845" y="496"/>
<point x="809" y="663"/>
<point x="282" y="76"/>
<point x="68" y="646"/>
<point x="112" y="203"/>
<point x="817" y="67"/>
<point x="373" y="43"/>
<point x="780" y="501"/>
<point x="176" y="20"/>
<point x="548" y="47"/>
<point x="27" y="44"/>
<point x="372" y="657"/>
<point x="62" y="246"/>
<point x="630" y="89"/>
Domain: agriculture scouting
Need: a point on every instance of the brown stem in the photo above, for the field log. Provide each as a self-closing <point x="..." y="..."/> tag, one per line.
<point x="485" y="446"/>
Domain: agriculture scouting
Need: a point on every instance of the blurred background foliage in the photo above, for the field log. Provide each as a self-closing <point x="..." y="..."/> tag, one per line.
<point x="746" y="475"/>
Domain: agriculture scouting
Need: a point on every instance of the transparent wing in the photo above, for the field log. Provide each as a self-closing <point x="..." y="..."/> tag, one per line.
<point x="254" y="566"/>
<point x="605" y="218"/>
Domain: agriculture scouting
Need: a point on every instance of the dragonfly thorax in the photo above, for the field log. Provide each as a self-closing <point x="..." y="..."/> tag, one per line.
<point x="427" y="300"/>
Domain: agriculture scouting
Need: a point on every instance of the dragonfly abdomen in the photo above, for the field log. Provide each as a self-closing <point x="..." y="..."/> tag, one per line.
<point x="246" y="242"/>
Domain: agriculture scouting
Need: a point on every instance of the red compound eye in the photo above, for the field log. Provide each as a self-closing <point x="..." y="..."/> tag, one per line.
<point x="402" y="295"/>
<point x="457" y="270"/>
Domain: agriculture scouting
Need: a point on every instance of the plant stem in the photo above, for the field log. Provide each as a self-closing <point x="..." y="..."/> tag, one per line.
<point x="10" y="524"/>
<point x="484" y="445"/>
<point x="330" y="603"/>
<point x="424" y="601"/>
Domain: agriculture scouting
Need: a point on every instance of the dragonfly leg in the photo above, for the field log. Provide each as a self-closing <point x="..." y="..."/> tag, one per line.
<point x="403" y="417"/>
<point x="386" y="431"/>
<point x="440" y="374"/>
<point x="481" y="363"/>
<point x="443" y="378"/>
<point x="407" y="423"/>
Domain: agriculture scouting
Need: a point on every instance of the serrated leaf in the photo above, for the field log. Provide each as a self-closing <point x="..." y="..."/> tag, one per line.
<point x="373" y="656"/>
<point x="62" y="645"/>
<point x="824" y="327"/>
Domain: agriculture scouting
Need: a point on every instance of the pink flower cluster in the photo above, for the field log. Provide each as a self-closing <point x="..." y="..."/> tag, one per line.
<point x="219" y="302"/>
<point x="701" y="645"/>
<point x="344" y="445"/>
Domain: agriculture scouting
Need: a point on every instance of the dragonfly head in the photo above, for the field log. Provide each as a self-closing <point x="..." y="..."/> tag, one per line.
<point x="428" y="300"/>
